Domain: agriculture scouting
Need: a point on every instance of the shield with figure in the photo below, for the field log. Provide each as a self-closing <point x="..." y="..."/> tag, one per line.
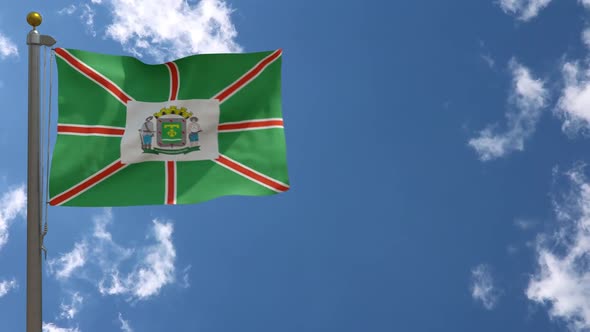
<point x="171" y="131"/>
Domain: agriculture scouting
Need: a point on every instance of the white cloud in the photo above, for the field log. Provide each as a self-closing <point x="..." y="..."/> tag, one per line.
<point x="482" y="286"/>
<point x="138" y="273"/>
<point x="525" y="224"/>
<point x="69" y="311"/>
<point x="7" y="47"/>
<point x="125" y="327"/>
<point x="586" y="37"/>
<point x="574" y="102"/>
<point x="100" y="226"/>
<point x="511" y="249"/>
<point x="100" y="248"/>
<point x="562" y="281"/>
<point x="86" y="14"/>
<point x="12" y="204"/>
<point x="158" y="267"/>
<point x="524" y="9"/>
<point x="169" y="29"/>
<point x="115" y="287"/>
<point x="528" y="96"/>
<point x="107" y="252"/>
<point x="488" y="60"/>
<point x="69" y="10"/>
<point x="87" y="17"/>
<point x="154" y="271"/>
<point x="185" y="277"/>
<point x="64" y="266"/>
<point x="6" y="286"/>
<point x="51" y="327"/>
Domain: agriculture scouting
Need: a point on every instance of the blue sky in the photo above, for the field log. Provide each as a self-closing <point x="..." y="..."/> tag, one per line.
<point x="437" y="157"/>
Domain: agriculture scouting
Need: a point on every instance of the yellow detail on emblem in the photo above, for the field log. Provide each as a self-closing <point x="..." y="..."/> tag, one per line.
<point x="171" y="132"/>
<point x="173" y="110"/>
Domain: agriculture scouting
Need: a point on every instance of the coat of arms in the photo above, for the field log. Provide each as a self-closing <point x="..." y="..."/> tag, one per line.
<point x="173" y="134"/>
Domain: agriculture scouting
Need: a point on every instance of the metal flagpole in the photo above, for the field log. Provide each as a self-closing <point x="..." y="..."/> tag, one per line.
<point x="34" y="307"/>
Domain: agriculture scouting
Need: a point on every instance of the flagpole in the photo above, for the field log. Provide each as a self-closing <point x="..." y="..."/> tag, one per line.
<point x="34" y="290"/>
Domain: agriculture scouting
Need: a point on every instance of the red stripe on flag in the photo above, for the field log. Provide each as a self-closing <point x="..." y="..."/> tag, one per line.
<point x="171" y="165"/>
<point x="255" y="124"/>
<point x="88" y="183"/>
<point x="93" y="75"/>
<point x="249" y="76"/>
<point x="170" y="182"/>
<point x="90" y="130"/>
<point x="251" y="174"/>
<point x="174" y="81"/>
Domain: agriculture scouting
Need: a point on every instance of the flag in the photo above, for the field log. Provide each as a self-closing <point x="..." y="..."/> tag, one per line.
<point x="181" y="132"/>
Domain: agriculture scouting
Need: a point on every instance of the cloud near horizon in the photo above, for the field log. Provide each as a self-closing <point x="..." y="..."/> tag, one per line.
<point x="155" y="270"/>
<point x="562" y="280"/>
<point x="99" y="258"/>
<point x="51" y="327"/>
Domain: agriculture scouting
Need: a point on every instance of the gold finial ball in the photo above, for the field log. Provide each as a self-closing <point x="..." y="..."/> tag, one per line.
<point x="34" y="19"/>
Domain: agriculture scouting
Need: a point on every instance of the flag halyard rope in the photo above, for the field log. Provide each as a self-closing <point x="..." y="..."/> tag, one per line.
<point x="45" y="183"/>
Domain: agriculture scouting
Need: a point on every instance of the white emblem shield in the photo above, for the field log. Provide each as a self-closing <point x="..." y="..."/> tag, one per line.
<point x="177" y="130"/>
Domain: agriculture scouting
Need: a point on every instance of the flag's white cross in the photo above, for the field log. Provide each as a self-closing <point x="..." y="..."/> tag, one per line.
<point x="170" y="166"/>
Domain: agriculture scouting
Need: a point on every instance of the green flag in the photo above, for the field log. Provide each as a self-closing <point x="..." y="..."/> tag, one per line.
<point x="181" y="132"/>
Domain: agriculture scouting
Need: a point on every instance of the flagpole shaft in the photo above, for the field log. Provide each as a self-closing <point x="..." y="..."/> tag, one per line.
<point x="34" y="276"/>
<point x="34" y="290"/>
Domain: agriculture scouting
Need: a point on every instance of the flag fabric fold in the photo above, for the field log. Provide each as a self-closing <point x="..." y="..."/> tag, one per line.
<point x="201" y="127"/>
